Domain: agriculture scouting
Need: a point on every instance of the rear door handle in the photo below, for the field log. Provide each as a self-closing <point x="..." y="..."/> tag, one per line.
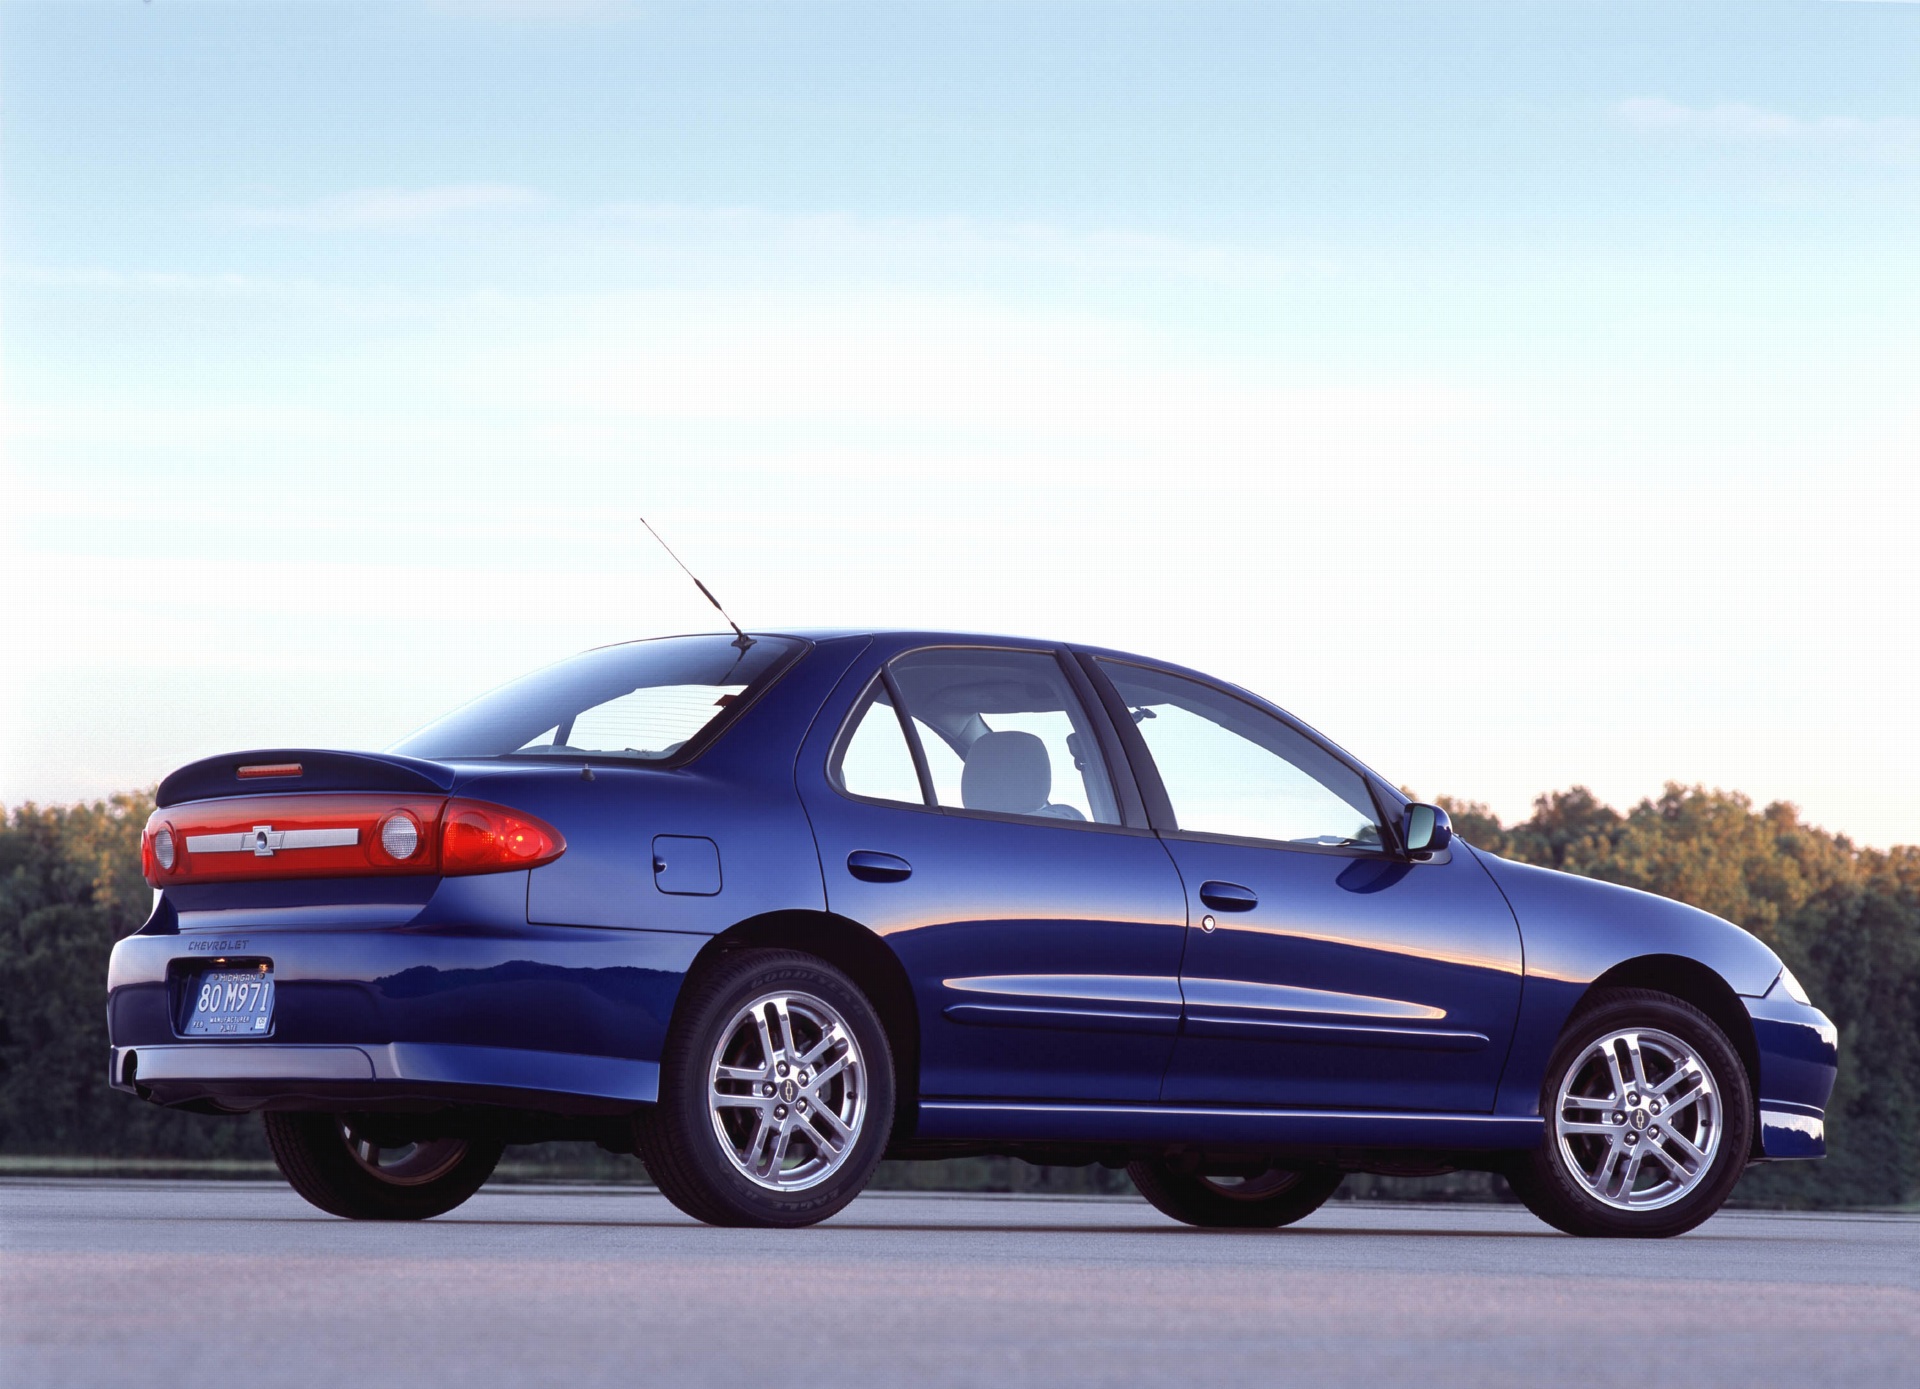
<point x="1229" y="897"/>
<point x="871" y="867"/>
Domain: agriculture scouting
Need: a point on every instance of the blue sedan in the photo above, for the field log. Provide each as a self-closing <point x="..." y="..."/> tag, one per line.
<point x="764" y="909"/>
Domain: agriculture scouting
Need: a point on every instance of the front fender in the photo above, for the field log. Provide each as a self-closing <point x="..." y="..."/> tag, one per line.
<point x="1574" y="930"/>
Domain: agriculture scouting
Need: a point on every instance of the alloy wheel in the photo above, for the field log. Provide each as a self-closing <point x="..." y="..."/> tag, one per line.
<point x="787" y="1091"/>
<point x="407" y="1164"/>
<point x="1255" y="1187"/>
<point x="1638" y="1119"/>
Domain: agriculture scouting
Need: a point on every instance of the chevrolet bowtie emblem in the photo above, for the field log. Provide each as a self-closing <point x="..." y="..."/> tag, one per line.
<point x="265" y="841"/>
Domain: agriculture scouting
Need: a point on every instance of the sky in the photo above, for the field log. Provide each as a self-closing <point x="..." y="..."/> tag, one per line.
<point x="1524" y="395"/>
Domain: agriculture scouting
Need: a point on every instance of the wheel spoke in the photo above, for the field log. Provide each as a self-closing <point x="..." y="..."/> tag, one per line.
<point x="1601" y="1177"/>
<point x="723" y="1101"/>
<point x="751" y="1158"/>
<point x="1681" y="1172"/>
<point x="1687" y="1070"/>
<point x="1673" y="1107"/>
<point x="768" y="1055"/>
<point x="787" y="1049"/>
<point x="1592" y="1101"/>
<point x="829" y="1071"/>
<point x="1640" y="1081"/>
<point x="1613" y="1069"/>
<point x="750" y="1074"/>
<point x="1631" y="1177"/>
<point x="1603" y="1130"/>
<point x="821" y="1047"/>
<point x="841" y="1131"/>
<point x="1688" y="1148"/>
<point x="780" y="1147"/>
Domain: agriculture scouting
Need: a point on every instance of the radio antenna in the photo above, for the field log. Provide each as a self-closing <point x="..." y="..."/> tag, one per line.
<point x="741" y="639"/>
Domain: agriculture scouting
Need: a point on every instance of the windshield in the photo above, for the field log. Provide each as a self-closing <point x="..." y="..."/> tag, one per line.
<point x="643" y="700"/>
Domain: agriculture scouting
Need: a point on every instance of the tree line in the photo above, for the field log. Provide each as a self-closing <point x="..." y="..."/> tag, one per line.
<point x="1844" y="918"/>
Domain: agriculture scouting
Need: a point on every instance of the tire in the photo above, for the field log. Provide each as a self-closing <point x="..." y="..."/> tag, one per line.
<point x="1264" y="1201"/>
<point x="776" y="1093"/>
<point x="322" y="1159"/>
<point x="1645" y="1145"/>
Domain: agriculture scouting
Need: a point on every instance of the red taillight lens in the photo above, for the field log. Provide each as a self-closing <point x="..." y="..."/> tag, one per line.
<point x="161" y="852"/>
<point x="340" y="835"/>
<point x="478" y="837"/>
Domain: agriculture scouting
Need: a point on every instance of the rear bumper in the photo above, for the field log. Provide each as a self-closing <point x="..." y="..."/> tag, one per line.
<point x="1799" y="1050"/>
<point x="381" y="1076"/>
<point x="560" y="1019"/>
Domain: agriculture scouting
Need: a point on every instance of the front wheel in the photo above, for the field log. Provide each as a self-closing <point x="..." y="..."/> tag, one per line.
<point x="1244" y="1201"/>
<point x="1649" y="1120"/>
<point x="776" y="1093"/>
<point x="345" y="1173"/>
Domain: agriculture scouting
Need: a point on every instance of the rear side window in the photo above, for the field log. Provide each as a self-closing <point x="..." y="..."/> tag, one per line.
<point x="644" y="700"/>
<point x="1003" y="733"/>
<point x="874" y="760"/>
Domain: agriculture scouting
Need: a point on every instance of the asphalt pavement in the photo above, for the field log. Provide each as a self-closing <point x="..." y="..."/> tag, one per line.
<point x="243" y="1286"/>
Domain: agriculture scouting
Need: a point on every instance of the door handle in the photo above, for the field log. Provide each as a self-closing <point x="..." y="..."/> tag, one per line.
<point x="871" y="867"/>
<point x="1229" y="897"/>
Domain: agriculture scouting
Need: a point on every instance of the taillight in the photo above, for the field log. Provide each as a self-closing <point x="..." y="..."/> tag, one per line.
<point x="478" y="837"/>
<point x="159" y="851"/>
<point x="340" y="835"/>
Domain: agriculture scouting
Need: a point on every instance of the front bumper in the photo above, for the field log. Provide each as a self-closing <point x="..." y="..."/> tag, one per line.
<point x="563" y="1019"/>
<point x="1799" y="1052"/>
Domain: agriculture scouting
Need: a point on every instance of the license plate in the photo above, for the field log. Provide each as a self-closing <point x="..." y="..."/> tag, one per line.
<point x="230" y="1003"/>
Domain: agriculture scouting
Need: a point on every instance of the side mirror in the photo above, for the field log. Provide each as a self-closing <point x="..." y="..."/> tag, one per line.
<point x="1425" y="830"/>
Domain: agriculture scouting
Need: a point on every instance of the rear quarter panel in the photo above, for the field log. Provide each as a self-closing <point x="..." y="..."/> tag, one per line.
<point x="740" y="795"/>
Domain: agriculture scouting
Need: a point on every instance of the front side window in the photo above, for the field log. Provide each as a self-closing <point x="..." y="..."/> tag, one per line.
<point x="1230" y="768"/>
<point x="999" y="732"/>
<point x="643" y="700"/>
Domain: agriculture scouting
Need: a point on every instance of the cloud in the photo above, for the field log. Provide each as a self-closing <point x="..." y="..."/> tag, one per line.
<point x="1894" y="138"/>
<point x="391" y="207"/>
<point x="874" y="240"/>
<point x="808" y="238"/>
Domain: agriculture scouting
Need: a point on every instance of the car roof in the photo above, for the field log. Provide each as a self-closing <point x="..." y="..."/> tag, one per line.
<point x="938" y="637"/>
<point x="944" y="638"/>
<point x="909" y="633"/>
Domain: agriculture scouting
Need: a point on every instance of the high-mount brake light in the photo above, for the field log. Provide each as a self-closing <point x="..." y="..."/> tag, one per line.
<point x="266" y="769"/>
<point x="479" y="837"/>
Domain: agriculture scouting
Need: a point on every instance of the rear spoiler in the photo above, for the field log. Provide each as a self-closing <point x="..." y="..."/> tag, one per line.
<point x="277" y="771"/>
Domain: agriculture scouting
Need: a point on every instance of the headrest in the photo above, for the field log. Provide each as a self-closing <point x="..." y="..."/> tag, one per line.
<point x="1008" y="772"/>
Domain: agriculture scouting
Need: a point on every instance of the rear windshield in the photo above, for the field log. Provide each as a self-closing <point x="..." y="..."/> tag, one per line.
<point x="644" y="700"/>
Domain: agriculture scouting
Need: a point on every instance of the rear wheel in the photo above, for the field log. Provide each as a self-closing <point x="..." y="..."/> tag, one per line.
<point x="1649" y="1120"/>
<point x="1246" y="1201"/>
<point x="344" y="1173"/>
<point x="776" y="1093"/>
